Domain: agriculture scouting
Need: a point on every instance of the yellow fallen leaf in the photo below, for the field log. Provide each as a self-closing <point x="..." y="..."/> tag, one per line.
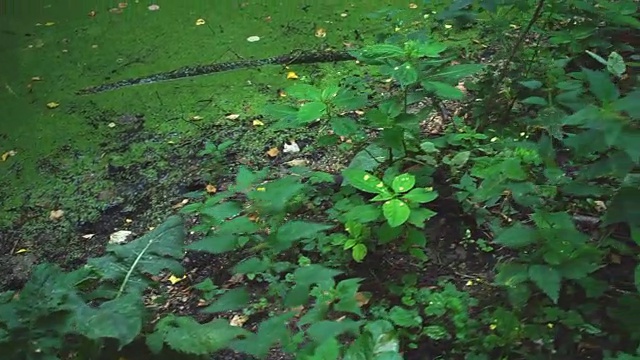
<point x="292" y="75"/>
<point x="200" y="22"/>
<point x="8" y="154"/>
<point x="20" y="251"/>
<point x="180" y="204"/>
<point x="273" y="152"/>
<point x="320" y="32"/>
<point x="238" y="320"/>
<point x="56" y="214"/>
<point x="232" y="116"/>
<point x="52" y="105"/>
<point x="211" y="189"/>
<point x="261" y="189"/>
<point x="49" y="23"/>
<point x="196" y="118"/>
<point x="413" y="6"/>
<point x="36" y="78"/>
<point x="174" y="279"/>
<point x="258" y="123"/>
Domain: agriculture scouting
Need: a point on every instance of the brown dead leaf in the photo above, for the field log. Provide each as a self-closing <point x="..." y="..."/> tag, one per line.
<point x="180" y="204"/>
<point x="273" y="152"/>
<point x="362" y="298"/>
<point x="211" y="189"/>
<point x="320" y="32"/>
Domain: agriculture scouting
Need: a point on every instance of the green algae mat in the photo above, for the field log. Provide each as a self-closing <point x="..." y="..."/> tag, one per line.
<point x="67" y="160"/>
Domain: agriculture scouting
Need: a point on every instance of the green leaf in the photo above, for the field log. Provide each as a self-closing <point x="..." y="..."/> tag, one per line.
<point x="443" y="90"/>
<point x="429" y="147"/>
<point x="517" y="236"/>
<point x="359" y="252"/>
<point x="302" y="91"/>
<point x="601" y="86"/>
<point x="327" y="350"/>
<point x="419" y="216"/>
<point x="546" y="279"/>
<point x="233" y="299"/>
<point x="403" y="183"/>
<point x="460" y="159"/>
<point x="531" y="84"/>
<point x="456" y="72"/>
<point x="215" y="244"/>
<point x="405" y="317"/>
<point x="429" y="49"/>
<point x="311" y="111"/>
<point x="270" y="331"/>
<point x="184" y="334"/>
<point x="535" y="100"/>
<point x="364" y="181"/>
<point x="380" y="52"/>
<point x="324" y="330"/>
<point x="119" y="319"/>
<point x="406" y="74"/>
<point x="344" y="126"/>
<point x="616" y="65"/>
<point x="252" y="265"/>
<point x="346" y="291"/>
<point x="313" y="274"/>
<point x="297" y="230"/>
<point x="349" y="101"/>
<point x="396" y="212"/>
<point x="436" y="332"/>
<point x="420" y="195"/>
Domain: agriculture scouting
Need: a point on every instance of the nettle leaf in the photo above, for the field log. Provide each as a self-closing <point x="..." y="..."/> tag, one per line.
<point x="429" y="49"/>
<point x="344" y="126"/>
<point x="252" y="265"/>
<point x="546" y="279"/>
<point x="270" y="332"/>
<point x="233" y="299"/>
<point x="348" y="301"/>
<point x="313" y="274"/>
<point x="274" y="196"/>
<point x="380" y="52"/>
<point x="420" y="195"/>
<point x="215" y="244"/>
<point x="295" y="230"/>
<point x="184" y="334"/>
<point x="405" y="317"/>
<point x="403" y="183"/>
<point x="119" y="319"/>
<point x="364" y="181"/>
<point x="327" y="350"/>
<point x="311" y="111"/>
<point x="324" y="330"/>
<point x="349" y="100"/>
<point x="419" y="216"/>
<point x="443" y="90"/>
<point x="517" y="236"/>
<point x="220" y="212"/>
<point x="456" y="72"/>
<point x="601" y="86"/>
<point x="396" y="212"/>
<point x="406" y="74"/>
<point x="302" y="91"/>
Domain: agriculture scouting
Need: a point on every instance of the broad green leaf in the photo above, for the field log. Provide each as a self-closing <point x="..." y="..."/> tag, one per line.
<point x="403" y="183"/>
<point x="546" y="279"/>
<point x="251" y="265"/>
<point x="215" y="244"/>
<point x="456" y="72"/>
<point x="286" y="114"/>
<point x="327" y="350"/>
<point x="429" y="49"/>
<point x="460" y="159"/>
<point x="517" y="236"/>
<point x="313" y="274"/>
<point x="233" y="299"/>
<point x="429" y="147"/>
<point x="347" y="293"/>
<point x="419" y="216"/>
<point x="396" y="212"/>
<point x="436" y="332"/>
<point x="344" y="126"/>
<point x="185" y="335"/>
<point x="349" y="101"/>
<point x="535" y="100"/>
<point x="420" y="195"/>
<point x="297" y="230"/>
<point x="329" y="93"/>
<point x="364" y="181"/>
<point x="601" y="86"/>
<point x="311" y="111"/>
<point x="443" y="90"/>
<point x="303" y="91"/>
<point x="380" y="52"/>
<point x="324" y="330"/>
<point x="405" y="317"/>
<point x="277" y="194"/>
<point x="406" y="74"/>
<point x="270" y="332"/>
<point x="616" y="65"/>
<point x="531" y="84"/>
<point x="223" y="211"/>
<point x="120" y="319"/>
<point x="359" y="252"/>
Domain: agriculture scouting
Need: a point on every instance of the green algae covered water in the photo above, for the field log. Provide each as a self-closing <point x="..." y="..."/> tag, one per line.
<point x="57" y="147"/>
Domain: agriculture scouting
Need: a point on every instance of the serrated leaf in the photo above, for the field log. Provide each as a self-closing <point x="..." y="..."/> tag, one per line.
<point x="396" y="212"/>
<point x="302" y="91"/>
<point x="313" y="274"/>
<point x="296" y="230"/>
<point x="311" y="111"/>
<point x="517" y="236"/>
<point x="403" y="183"/>
<point x="406" y="74"/>
<point x="443" y="90"/>
<point x="324" y="330"/>
<point x="457" y="72"/>
<point x="601" y="86"/>
<point x="233" y="299"/>
<point x="546" y="279"/>
<point x="251" y="265"/>
<point x="215" y="244"/>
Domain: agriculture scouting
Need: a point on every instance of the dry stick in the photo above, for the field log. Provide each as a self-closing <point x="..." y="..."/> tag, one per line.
<point x="505" y="67"/>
